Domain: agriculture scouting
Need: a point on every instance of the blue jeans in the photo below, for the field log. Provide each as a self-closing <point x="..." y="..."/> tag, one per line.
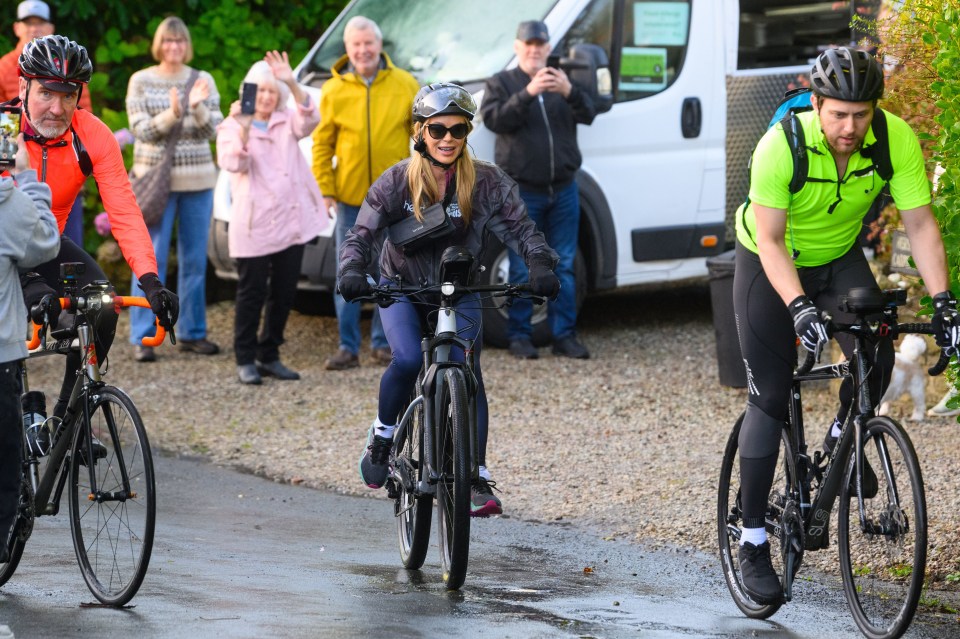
<point x="348" y="313"/>
<point x="193" y="208"/>
<point x="557" y="216"/>
<point x="74" y="226"/>
<point x="404" y="322"/>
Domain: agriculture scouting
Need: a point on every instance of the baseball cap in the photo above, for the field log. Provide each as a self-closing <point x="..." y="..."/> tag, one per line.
<point x="33" y="9"/>
<point x="533" y="30"/>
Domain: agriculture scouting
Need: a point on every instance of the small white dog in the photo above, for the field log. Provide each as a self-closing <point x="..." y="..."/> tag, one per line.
<point x="908" y="377"/>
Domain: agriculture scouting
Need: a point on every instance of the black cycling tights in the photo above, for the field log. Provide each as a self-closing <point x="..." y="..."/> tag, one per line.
<point x="768" y="344"/>
<point x="106" y="326"/>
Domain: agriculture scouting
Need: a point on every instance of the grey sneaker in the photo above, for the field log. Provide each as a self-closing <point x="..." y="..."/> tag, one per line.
<point x="483" y="502"/>
<point x="375" y="460"/>
<point x="759" y="579"/>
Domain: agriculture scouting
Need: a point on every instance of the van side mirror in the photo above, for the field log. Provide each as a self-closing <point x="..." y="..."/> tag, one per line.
<point x="588" y="66"/>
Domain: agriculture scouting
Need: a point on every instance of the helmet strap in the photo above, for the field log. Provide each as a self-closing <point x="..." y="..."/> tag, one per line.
<point x="421" y="147"/>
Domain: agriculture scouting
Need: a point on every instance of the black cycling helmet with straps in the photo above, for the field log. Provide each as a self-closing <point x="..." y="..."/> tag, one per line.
<point x="443" y="98"/>
<point x="847" y="74"/>
<point x="57" y="62"/>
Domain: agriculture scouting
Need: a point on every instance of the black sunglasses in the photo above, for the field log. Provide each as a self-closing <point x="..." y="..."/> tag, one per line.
<point x="438" y="131"/>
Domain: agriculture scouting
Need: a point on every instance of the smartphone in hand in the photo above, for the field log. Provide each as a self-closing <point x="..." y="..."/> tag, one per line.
<point x="9" y="130"/>
<point x="553" y="62"/>
<point x="248" y="98"/>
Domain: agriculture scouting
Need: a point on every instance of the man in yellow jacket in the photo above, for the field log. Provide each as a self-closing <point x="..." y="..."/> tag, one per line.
<point x="365" y="123"/>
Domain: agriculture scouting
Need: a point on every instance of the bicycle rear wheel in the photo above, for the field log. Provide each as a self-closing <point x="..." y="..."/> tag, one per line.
<point x="453" y="489"/>
<point x="730" y="519"/>
<point x="22" y="528"/>
<point x="883" y="561"/>
<point x="113" y="527"/>
<point x="413" y="509"/>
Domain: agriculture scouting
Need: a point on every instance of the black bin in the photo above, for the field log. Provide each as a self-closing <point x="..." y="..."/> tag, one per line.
<point x="729" y="361"/>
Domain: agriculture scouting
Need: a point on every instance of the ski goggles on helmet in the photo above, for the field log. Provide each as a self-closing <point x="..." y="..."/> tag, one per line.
<point x="445" y="100"/>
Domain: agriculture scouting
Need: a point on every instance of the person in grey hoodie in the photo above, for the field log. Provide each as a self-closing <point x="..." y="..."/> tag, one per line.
<point x="28" y="237"/>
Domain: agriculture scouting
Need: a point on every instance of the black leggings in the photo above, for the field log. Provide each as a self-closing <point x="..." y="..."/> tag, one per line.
<point x="768" y="344"/>
<point x="104" y="330"/>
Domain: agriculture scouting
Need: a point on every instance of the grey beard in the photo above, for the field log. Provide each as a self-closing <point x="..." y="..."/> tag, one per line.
<point x="51" y="132"/>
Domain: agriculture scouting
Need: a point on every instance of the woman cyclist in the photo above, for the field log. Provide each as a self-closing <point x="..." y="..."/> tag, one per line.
<point x="479" y="199"/>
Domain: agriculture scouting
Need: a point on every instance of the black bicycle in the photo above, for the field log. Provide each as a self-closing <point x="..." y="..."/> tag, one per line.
<point x="881" y="523"/>
<point x="435" y="445"/>
<point x="100" y="447"/>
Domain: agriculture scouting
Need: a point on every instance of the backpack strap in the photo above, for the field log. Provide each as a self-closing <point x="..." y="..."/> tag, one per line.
<point x="879" y="151"/>
<point x="798" y="149"/>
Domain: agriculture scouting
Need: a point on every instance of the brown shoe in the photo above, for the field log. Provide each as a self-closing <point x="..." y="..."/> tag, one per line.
<point x="342" y="360"/>
<point x="144" y="353"/>
<point x="382" y="356"/>
<point x="201" y="346"/>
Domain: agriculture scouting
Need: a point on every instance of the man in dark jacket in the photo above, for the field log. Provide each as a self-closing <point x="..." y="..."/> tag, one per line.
<point x="534" y="109"/>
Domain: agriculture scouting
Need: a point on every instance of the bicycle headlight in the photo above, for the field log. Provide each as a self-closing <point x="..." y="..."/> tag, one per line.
<point x="447" y="289"/>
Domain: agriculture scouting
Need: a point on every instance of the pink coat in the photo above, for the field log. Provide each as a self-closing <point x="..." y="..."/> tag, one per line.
<point x="276" y="201"/>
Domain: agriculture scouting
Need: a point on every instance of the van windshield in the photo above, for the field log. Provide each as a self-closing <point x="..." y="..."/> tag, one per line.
<point x="452" y="41"/>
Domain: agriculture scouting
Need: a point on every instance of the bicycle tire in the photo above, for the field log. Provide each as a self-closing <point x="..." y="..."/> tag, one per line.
<point x="883" y="569"/>
<point x="414" y="510"/>
<point x="729" y="519"/>
<point x="113" y="539"/>
<point x="22" y="528"/>
<point x="453" y="489"/>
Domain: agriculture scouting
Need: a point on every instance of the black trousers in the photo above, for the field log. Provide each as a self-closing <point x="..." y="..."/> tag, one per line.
<point x="266" y="285"/>
<point x="104" y="330"/>
<point x="11" y="443"/>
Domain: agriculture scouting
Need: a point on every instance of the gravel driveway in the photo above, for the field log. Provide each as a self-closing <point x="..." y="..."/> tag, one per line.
<point x="627" y="443"/>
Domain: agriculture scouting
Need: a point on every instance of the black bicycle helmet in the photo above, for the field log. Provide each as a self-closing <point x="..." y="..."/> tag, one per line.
<point x="847" y="74"/>
<point x="57" y="62"/>
<point x="443" y="98"/>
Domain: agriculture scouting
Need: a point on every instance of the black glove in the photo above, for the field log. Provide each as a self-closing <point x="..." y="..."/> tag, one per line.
<point x="353" y="284"/>
<point x="945" y="321"/>
<point x="163" y="302"/>
<point x="543" y="281"/>
<point x="40" y="299"/>
<point x="807" y="324"/>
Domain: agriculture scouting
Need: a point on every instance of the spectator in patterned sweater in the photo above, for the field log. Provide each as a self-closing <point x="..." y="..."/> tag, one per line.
<point x="154" y="98"/>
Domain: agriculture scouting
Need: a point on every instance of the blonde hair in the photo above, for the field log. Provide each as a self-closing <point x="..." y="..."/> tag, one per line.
<point x="261" y="72"/>
<point x="423" y="186"/>
<point x="172" y="27"/>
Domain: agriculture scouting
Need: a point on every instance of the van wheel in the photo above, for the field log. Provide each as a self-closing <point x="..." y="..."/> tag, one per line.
<point x="495" y="329"/>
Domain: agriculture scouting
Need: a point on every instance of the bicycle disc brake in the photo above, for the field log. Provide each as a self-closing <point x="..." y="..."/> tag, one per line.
<point x="791" y="548"/>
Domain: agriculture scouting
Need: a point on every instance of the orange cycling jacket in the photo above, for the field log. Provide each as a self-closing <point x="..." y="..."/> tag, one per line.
<point x="57" y="163"/>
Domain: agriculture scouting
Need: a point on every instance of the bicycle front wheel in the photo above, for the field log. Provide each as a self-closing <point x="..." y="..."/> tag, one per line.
<point x="730" y="519"/>
<point x="113" y="504"/>
<point x="453" y="489"/>
<point x="883" y="557"/>
<point x="412" y="508"/>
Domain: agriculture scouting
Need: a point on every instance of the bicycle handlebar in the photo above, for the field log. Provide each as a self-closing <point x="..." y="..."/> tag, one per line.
<point x="385" y="295"/>
<point x="920" y="328"/>
<point x="119" y="301"/>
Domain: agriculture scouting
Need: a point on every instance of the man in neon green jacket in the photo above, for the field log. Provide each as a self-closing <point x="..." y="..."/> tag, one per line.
<point x="365" y="124"/>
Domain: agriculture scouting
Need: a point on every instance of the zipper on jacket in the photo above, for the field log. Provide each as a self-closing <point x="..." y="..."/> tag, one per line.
<point x="546" y="120"/>
<point x="369" y="136"/>
<point x="43" y="163"/>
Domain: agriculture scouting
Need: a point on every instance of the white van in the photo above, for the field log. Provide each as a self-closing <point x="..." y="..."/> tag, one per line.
<point x="693" y="85"/>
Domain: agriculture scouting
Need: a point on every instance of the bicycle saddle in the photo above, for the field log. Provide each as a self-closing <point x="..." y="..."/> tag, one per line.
<point x="865" y="300"/>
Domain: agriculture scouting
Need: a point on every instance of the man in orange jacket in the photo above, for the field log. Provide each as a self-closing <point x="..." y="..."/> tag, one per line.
<point x="33" y="21"/>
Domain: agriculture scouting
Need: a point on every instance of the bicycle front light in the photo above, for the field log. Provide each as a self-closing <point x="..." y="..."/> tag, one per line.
<point x="447" y="289"/>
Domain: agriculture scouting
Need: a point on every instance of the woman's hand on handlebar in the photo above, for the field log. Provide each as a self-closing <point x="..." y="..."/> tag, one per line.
<point x="354" y="285"/>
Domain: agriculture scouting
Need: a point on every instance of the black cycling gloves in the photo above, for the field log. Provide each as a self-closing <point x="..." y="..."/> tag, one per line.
<point x="945" y="320"/>
<point x="40" y="299"/>
<point x="807" y="324"/>
<point x="163" y="302"/>
<point x="353" y="284"/>
<point x="543" y="281"/>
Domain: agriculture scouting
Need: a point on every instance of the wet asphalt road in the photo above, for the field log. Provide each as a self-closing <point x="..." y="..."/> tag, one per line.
<point x="240" y="556"/>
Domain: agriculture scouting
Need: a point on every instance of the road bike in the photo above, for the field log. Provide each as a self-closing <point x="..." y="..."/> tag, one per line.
<point x="435" y="446"/>
<point x="112" y="501"/>
<point x="881" y="529"/>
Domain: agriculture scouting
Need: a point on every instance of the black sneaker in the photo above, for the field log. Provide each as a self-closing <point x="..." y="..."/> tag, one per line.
<point x="374" y="462"/>
<point x="759" y="579"/>
<point x="570" y="347"/>
<point x="523" y="349"/>
<point x="483" y="502"/>
<point x="869" y="482"/>
<point x="99" y="451"/>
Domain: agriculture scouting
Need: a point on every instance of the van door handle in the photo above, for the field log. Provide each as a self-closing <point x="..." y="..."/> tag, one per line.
<point x="691" y="117"/>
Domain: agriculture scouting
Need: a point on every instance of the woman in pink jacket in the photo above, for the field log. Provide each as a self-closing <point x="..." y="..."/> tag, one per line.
<point x="277" y="208"/>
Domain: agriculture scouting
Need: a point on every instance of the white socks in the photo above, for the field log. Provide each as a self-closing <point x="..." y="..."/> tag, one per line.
<point x="755" y="536"/>
<point x="383" y="430"/>
<point x="484" y="473"/>
<point x="835" y="430"/>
